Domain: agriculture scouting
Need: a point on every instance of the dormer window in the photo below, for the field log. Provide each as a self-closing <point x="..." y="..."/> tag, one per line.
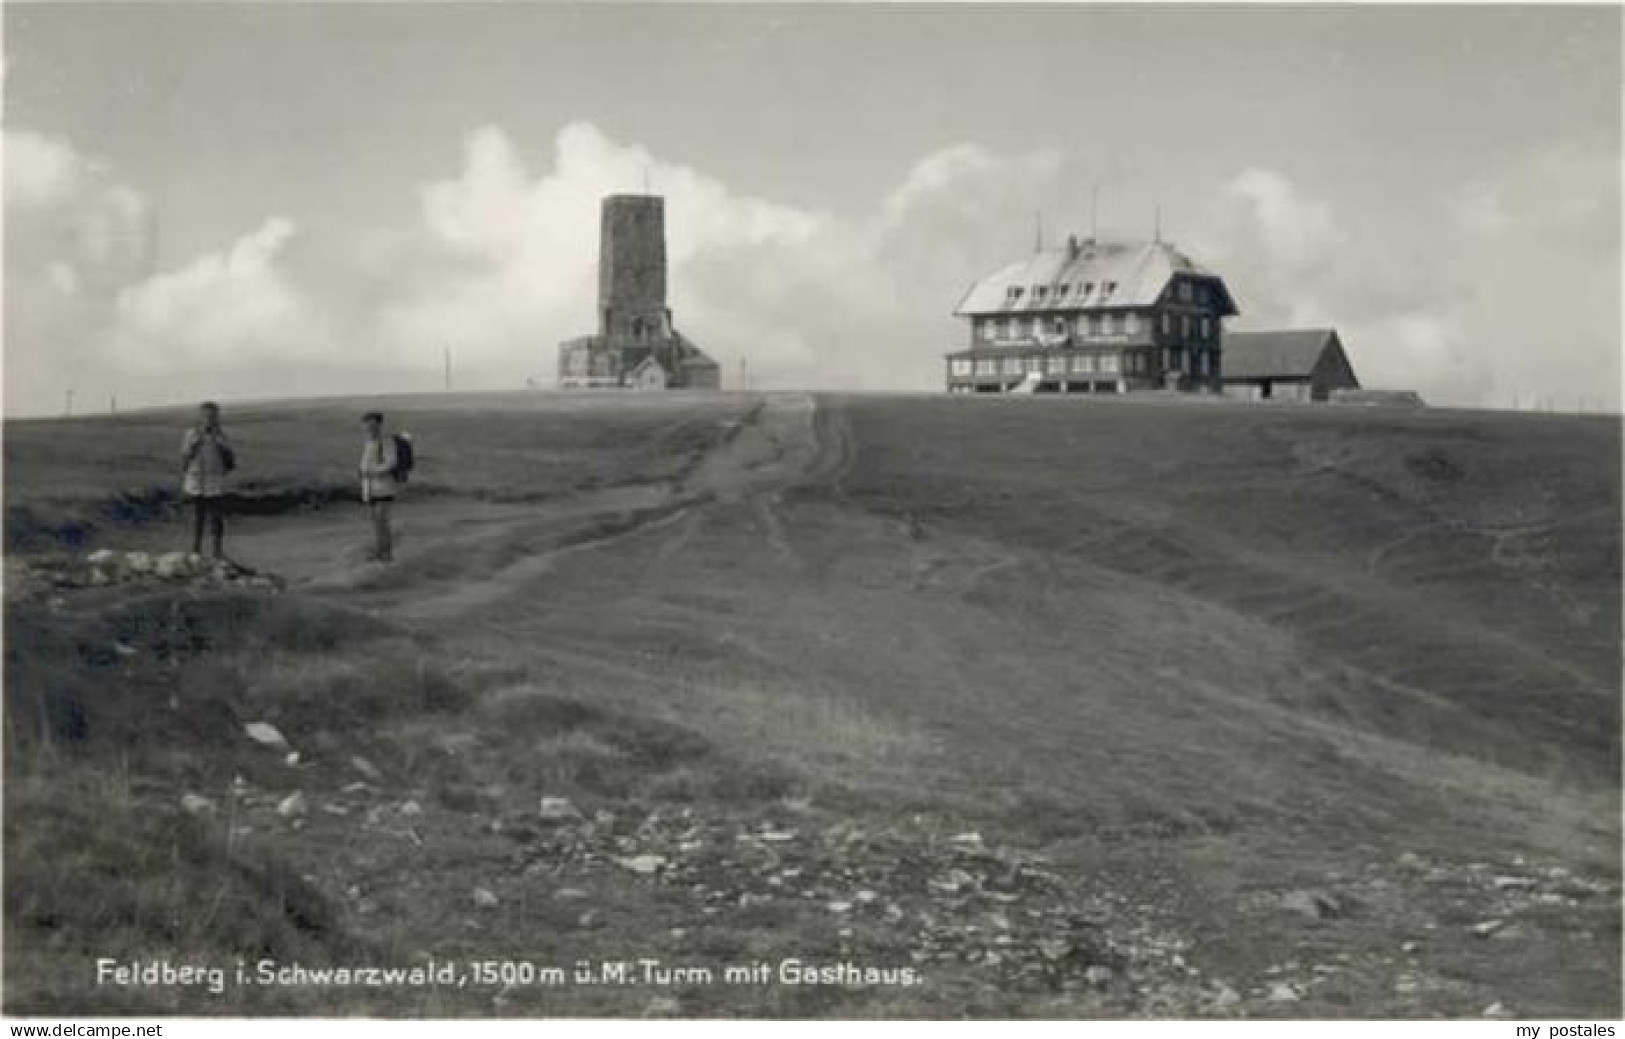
<point x="1039" y="292"/>
<point x="1107" y="289"/>
<point x="1184" y="291"/>
<point x="1088" y="287"/>
<point x="1013" y="294"/>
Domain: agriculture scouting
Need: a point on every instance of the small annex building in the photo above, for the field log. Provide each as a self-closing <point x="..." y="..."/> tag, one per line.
<point x="1295" y="364"/>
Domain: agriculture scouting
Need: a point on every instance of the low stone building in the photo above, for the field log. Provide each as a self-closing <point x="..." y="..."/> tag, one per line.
<point x="1093" y="317"/>
<point x="1301" y="364"/>
<point x="636" y="343"/>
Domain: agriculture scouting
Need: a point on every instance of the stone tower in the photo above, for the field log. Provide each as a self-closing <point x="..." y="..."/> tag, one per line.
<point x="637" y="344"/>
<point x="632" y="270"/>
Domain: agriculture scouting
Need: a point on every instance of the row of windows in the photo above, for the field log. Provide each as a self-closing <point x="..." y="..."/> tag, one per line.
<point x="1087" y="364"/>
<point x="1135" y="362"/>
<point x="993" y="329"/>
<point x="1061" y="291"/>
<point x="1185" y="290"/>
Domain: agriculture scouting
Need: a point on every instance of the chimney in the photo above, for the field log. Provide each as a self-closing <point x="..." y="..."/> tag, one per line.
<point x="1072" y="247"/>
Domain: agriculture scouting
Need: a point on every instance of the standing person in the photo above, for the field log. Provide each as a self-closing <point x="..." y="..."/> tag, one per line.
<point x="206" y="457"/>
<point x="378" y="483"/>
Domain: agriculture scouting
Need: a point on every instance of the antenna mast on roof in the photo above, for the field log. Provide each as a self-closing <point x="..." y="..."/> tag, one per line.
<point x="1158" y="231"/>
<point x="1094" y="212"/>
<point x="1038" y="231"/>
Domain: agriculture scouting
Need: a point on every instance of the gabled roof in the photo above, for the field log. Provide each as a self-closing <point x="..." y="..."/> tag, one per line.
<point x="1140" y="271"/>
<point x="1279" y="353"/>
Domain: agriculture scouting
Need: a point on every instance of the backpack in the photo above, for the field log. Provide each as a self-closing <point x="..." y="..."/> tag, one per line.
<point x="404" y="460"/>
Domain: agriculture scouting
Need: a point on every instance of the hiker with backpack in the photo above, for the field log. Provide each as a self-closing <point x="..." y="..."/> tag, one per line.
<point x="386" y="460"/>
<point x="206" y="458"/>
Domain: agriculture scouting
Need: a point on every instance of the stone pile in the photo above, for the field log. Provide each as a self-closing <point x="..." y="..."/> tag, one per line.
<point x="108" y="567"/>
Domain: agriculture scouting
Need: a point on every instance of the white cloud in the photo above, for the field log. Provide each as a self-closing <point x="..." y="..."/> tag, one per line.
<point x="504" y="265"/>
<point x="75" y="236"/>
<point x="39" y="170"/>
<point x="1515" y="285"/>
<point x="1514" y="289"/>
<point x="221" y="310"/>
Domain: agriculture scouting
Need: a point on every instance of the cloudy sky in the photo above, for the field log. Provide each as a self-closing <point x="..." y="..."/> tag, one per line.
<point x="264" y="200"/>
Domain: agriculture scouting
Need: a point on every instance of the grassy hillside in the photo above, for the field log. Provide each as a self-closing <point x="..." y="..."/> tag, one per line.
<point x="1074" y="708"/>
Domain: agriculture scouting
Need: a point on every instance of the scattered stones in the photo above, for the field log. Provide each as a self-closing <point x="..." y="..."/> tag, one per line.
<point x="267" y="735"/>
<point x="1487" y="928"/>
<point x="410" y="808"/>
<point x="1281" y="992"/>
<point x="485" y="898"/>
<point x="1054" y="948"/>
<point x="292" y="806"/>
<point x="1496" y="1010"/>
<point x="840" y="907"/>
<point x="558" y="810"/>
<point x="1513" y="883"/>
<point x="105" y="567"/>
<point x="1223" y="996"/>
<point x="1313" y="904"/>
<point x="196" y="804"/>
<point x="366" y="768"/>
<point x="643" y="865"/>
<point x="1098" y="975"/>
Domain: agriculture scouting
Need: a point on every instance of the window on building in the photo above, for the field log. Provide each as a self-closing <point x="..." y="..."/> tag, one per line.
<point x="960" y="367"/>
<point x="1108" y="364"/>
<point x="1202" y="296"/>
<point x="1088" y="287"/>
<point x="988" y="328"/>
<point x="1185" y="326"/>
<point x="1207" y="328"/>
<point x="1013" y="293"/>
<point x="1107" y="289"/>
<point x="1131" y="324"/>
<point x="1012" y="366"/>
<point x="1184" y="291"/>
<point x="1058" y="326"/>
<point x="1035" y="364"/>
<point x="1114" y="324"/>
<point x="1094" y="324"/>
<point x="1055" y="365"/>
<point x="1039" y="292"/>
<point x="1167" y="324"/>
<point x="987" y="366"/>
<point x="1083" y="363"/>
<point x="1062" y="289"/>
